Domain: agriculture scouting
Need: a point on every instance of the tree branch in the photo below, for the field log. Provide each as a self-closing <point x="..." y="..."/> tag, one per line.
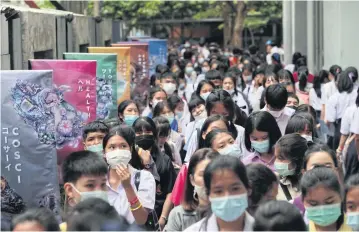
<point x="230" y="3"/>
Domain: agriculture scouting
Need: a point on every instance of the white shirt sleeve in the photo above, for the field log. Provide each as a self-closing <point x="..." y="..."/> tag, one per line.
<point x="147" y="190"/>
<point x="240" y="140"/>
<point x="192" y="146"/>
<point x="311" y="97"/>
<point x="330" y="109"/>
<point x="325" y="94"/>
<point x="345" y="125"/>
<point x="355" y="125"/>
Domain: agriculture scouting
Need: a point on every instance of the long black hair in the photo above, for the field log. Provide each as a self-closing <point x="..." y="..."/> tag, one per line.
<point x="303" y="78"/>
<point x="352" y="182"/>
<point x="189" y="202"/>
<point x="195" y="101"/>
<point x="318" y="81"/>
<point x="212" y="135"/>
<point x="164" y="129"/>
<point x="335" y="70"/>
<point x="345" y="83"/>
<point x="299" y="122"/>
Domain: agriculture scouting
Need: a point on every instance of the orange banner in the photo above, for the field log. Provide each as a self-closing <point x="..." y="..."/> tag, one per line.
<point x="123" y="69"/>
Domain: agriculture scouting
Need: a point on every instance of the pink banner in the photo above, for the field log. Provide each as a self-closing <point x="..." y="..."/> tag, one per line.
<point x="73" y="101"/>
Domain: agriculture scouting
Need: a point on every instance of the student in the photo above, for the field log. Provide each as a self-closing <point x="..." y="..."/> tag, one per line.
<point x="315" y="93"/>
<point x="330" y="88"/>
<point x="318" y="155"/>
<point x="293" y="101"/>
<point x="261" y="134"/>
<point x="156" y="95"/>
<point x="264" y="186"/>
<point x="204" y="88"/>
<point x="84" y="175"/>
<point x="93" y="134"/>
<point x="163" y="109"/>
<point x="168" y="83"/>
<point x="289" y="153"/>
<point x="215" y="77"/>
<point x="112" y="122"/>
<point x="351" y="201"/>
<point x="304" y="125"/>
<point x="128" y="112"/>
<point x="353" y="74"/>
<point x="241" y="85"/>
<point x="229" y="84"/>
<point x="197" y="109"/>
<point x="223" y="142"/>
<point x="195" y="198"/>
<point x="256" y="90"/>
<point x="247" y="74"/>
<point x="285" y="76"/>
<point x="227" y="185"/>
<point x="131" y="200"/>
<point x="302" y="87"/>
<point x="276" y="97"/>
<point x="221" y="103"/>
<point x="182" y="114"/>
<point x="322" y="197"/>
<point x="146" y="139"/>
<point x="337" y="104"/>
<point x="269" y="79"/>
<point x="191" y="79"/>
<point x="289" y="87"/>
<point x="346" y="148"/>
<point x="165" y="142"/>
<point x="278" y="216"/>
<point x="39" y="219"/>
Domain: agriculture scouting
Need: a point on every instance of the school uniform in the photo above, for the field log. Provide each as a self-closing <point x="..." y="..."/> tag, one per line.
<point x="193" y="143"/>
<point x="147" y="112"/>
<point x="286" y="190"/>
<point x="329" y="89"/>
<point x="354" y="128"/>
<point x="240" y="100"/>
<point x="254" y="97"/>
<point x="212" y="225"/>
<point x="314" y="100"/>
<point x="283" y="118"/>
<point x="146" y="194"/>
<point x="335" y="107"/>
<point x="255" y="157"/>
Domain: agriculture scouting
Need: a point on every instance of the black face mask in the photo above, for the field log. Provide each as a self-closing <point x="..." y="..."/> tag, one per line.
<point x="145" y="141"/>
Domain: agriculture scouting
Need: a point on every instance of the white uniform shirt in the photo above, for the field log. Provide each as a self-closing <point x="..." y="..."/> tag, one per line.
<point x="350" y="115"/>
<point x="254" y="97"/>
<point x="337" y="104"/>
<point x="241" y="103"/>
<point x="329" y="89"/>
<point x="146" y="194"/>
<point x="213" y="226"/>
<point x="193" y="143"/>
<point x="283" y="118"/>
<point x="307" y="88"/>
<point x="354" y="128"/>
<point x="314" y="100"/>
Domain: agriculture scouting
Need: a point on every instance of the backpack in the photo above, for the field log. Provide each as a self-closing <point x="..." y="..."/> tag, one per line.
<point x="152" y="219"/>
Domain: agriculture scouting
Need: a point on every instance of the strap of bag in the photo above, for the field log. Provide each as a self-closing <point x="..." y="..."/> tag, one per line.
<point x="137" y="179"/>
<point x="286" y="191"/>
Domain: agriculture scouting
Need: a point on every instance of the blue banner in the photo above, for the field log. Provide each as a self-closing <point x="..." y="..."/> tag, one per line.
<point x="157" y="52"/>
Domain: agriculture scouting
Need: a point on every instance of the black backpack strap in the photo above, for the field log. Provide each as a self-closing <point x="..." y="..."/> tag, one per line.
<point x="286" y="192"/>
<point x="137" y="179"/>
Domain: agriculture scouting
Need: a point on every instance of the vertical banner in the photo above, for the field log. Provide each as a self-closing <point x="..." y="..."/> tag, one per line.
<point x="28" y="146"/>
<point x="123" y="69"/>
<point x="157" y="52"/>
<point x="139" y="71"/>
<point x="73" y="102"/>
<point x="106" y="81"/>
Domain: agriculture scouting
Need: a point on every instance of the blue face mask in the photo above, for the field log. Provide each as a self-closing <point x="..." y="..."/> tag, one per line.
<point x="324" y="215"/>
<point x="283" y="169"/>
<point x="96" y="148"/>
<point x="261" y="146"/>
<point x="130" y="119"/>
<point x="205" y="95"/>
<point x="232" y="150"/>
<point x="170" y="118"/>
<point x="353" y="220"/>
<point x="229" y="208"/>
<point x="179" y="114"/>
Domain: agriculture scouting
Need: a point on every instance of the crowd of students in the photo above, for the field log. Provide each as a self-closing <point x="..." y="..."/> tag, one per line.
<point x="228" y="141"/>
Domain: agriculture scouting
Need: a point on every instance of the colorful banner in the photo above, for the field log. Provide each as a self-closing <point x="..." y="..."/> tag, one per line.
<point x="106" y="82"/>
<point x="139" y="71"/>
<point x="157" y="50"/>
<point x="73" y="102"/>
<point x="28" y="152"/>
<point x="123" y="69"/>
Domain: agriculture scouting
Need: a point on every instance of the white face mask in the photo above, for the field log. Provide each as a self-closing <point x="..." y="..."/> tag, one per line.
<point x="169" y="88"/>
<point x="200" y="60"/>
<point x="201" y="116"/>
<point x="275" y="114"/>
<point x="155" y="102"/>
<point x="93" y="194"/>
<point x="231" y="91"/>
<point x="309" y="138"/>
<point x="201" y="192"/>
<point x="117" y="157"/>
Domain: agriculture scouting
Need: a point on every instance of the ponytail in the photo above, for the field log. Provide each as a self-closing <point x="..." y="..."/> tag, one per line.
<point x="303" y="78"/>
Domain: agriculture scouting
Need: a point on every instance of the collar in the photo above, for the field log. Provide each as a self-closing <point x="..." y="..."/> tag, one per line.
<point x="213" y="226"/>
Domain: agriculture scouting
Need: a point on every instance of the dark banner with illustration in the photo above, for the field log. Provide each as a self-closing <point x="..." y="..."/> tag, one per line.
<point x="139" y="71"/>
<point x="106" y="81"/>
<point x="123" y="69"/>
<point x="28" y="145"/>
<point x="73" y="102"/>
